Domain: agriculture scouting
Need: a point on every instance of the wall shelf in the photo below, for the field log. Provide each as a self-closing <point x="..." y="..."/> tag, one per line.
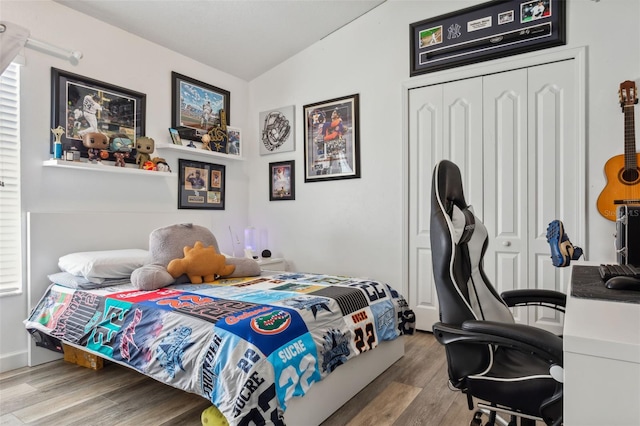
<point x="198" y="151"/>
<point x="107" y="167"/>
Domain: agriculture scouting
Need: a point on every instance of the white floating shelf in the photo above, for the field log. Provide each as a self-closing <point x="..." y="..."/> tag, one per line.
<point x="107" y="167"/>
<point x="198" y="151"/>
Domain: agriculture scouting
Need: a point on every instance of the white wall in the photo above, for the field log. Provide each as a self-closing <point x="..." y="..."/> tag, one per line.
<point x="115" y="57"/>
<point x="355" y="226"/>
<point x="351" y="227"/>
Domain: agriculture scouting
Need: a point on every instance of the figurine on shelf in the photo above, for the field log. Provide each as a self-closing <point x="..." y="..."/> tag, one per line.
<point x="57" y="144"/>
<point x="161" y="164"/>
<point x="218" y="134"/>
<point x="144" y="146"/>
<point x="121" y="147"/>
<point x="206" y="142"/>
<point x="148" y="165"/>
<point x="96" y="144"/>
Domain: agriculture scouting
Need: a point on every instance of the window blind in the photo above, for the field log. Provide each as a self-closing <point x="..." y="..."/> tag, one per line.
<point x="10" y="213"/>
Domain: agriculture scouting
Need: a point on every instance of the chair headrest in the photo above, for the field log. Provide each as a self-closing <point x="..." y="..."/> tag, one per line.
<point x="464" y="223"/>
<point x="449" y="186"/>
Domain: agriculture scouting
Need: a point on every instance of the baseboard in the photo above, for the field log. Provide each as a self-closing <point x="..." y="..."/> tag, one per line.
<point x="12" y="361"/>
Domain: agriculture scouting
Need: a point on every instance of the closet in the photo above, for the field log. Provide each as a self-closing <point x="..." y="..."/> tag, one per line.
<point x="516" y="136"/>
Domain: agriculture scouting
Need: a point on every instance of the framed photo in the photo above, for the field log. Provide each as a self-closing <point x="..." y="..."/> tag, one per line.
<point x="277" y="130"/>
<point x="282" y="181"/>
<point x="332" y="139"/>
<point x="175" y="136"/>
<point x="195" y="106"/>
<point x="491" y="30"/>
<point x="81" y="105"/>
<point x="201" y="185"/>
<point x="234" y="141"/>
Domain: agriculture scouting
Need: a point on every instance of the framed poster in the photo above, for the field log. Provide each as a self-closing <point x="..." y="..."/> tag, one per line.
<point x="277" y="130"/>
<point x="195" y="106"/>
<point x="332" y="139"/>
<point x="201" y="185"/>
<point x="175" y="136"/>
<point x="282" y="183"/>
<point x="82" y="105"/>
<point x="487" y="31"/>
<point x="234" y="141"/>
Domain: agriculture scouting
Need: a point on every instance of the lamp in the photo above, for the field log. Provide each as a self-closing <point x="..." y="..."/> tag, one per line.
<point x="250" y="242"/>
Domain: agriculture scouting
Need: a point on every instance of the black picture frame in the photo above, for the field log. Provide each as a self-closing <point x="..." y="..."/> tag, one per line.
<point x="187" y="115"/>
<point x="491" y="30"/>
<point x="282" y="180"/>
<point x="332" y="144"/>
<point x="201" y="185"/>
<point x="119" y="112"/>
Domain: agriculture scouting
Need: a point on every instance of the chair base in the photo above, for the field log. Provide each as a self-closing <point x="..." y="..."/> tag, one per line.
<point x="495" y="419"/>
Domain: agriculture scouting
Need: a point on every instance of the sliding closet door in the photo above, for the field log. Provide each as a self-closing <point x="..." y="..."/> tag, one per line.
<point x="505" y="180"/>
<point x="425" y="134"/>
<point x="445" y="123"/>
<point x="514" y="135"/>
<point x="531" y="169"/>
<point x="555" y="183"/>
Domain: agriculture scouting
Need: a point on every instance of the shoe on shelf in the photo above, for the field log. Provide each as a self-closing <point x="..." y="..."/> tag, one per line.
<point x="562" y="251"/>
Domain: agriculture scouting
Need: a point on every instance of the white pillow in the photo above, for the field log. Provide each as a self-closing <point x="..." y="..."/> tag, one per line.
<point x="66" y="279"/>
<point x="103" y="264"/>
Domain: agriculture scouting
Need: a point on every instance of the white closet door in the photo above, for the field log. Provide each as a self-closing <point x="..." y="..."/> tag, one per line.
<point x="505" y="185"/>
<point x="445" y="122"/>
<point x="514" y="135"/>
<point x="555" y="184"/>
<point x="425" y="134"/>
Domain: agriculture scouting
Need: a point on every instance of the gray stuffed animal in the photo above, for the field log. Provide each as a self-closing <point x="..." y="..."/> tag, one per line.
<point x="168" y="243"/>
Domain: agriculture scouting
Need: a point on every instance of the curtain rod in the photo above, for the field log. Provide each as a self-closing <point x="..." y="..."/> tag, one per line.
<point x="72" y="55"/>
<point x="55" y="50"/>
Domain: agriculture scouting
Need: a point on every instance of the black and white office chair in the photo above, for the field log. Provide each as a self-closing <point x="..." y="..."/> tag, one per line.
<point x="510" y="368"/>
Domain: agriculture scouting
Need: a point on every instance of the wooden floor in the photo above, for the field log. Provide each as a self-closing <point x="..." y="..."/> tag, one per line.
<point x="413" y="392"/>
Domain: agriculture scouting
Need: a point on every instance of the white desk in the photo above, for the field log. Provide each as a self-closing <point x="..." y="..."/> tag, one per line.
<point x="601" y="362"/>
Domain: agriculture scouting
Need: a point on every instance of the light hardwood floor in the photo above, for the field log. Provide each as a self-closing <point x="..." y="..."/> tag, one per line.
<point x="412" y="392"/>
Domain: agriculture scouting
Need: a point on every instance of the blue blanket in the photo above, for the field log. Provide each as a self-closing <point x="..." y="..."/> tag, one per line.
<point x="248" y="345"/>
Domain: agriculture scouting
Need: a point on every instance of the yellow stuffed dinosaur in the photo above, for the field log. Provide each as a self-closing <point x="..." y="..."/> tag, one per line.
<point x="201" y="264"/>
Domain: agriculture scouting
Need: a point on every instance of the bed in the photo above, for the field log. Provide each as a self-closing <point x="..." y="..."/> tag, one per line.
<point x="250" y="345"/>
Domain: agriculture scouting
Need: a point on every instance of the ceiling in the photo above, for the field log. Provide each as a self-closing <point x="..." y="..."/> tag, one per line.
<point x="244" y="38"/>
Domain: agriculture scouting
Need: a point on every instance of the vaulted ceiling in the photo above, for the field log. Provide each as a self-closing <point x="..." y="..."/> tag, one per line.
<point x="244" y="38"/>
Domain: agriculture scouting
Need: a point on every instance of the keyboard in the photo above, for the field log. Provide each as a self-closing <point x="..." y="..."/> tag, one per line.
<point x="610" y="270"/>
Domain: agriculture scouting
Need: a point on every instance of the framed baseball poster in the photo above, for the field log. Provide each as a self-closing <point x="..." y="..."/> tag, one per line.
<point x="332" y="139"/>
<point x="196" y="106"/>
<point x="487" y="31"/>
<point x="282" y="180"/>
<point x="83" y="106"/>
<point x="201" y="185"/>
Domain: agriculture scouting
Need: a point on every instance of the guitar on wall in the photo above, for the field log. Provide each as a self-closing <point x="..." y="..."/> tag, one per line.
<point x="623" y="175"/>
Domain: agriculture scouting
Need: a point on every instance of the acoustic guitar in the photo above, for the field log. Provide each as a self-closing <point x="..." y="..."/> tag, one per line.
<point x="623" y="175"/>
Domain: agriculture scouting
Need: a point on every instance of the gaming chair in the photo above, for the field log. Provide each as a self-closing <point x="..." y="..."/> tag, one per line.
<point x="515" y="369"/>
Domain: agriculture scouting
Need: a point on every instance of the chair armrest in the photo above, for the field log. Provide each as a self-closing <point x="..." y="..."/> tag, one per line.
<point x="538" y="342"/>
<point x="527" y="297"/>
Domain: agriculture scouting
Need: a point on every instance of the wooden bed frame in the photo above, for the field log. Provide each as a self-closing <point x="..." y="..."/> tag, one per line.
<point x="51" y="235"/>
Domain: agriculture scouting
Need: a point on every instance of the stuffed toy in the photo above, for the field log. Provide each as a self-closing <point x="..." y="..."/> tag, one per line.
<point x="201" y="264"/>
<point x="168" y="243"/>
<point x="213" y="417"/>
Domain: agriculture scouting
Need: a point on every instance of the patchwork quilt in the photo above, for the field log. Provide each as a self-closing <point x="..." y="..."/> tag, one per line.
<point x="248" y="345"/>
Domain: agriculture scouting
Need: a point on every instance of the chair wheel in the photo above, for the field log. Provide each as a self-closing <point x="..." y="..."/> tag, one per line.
<point x="477" y="419"/>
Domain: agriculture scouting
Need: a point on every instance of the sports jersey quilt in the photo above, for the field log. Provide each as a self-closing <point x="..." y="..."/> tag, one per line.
<point x="248" y="345"/>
